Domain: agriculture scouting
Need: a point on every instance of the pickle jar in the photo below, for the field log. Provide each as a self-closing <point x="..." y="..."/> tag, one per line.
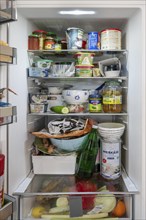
<point x="112" y="97"/>
<point x="42" y="35"/>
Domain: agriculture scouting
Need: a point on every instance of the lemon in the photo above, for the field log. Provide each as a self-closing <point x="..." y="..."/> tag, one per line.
<point x="37" y="211"/>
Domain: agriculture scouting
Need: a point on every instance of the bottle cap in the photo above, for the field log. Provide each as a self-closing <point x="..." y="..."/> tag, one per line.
<point x="2" y="162"/>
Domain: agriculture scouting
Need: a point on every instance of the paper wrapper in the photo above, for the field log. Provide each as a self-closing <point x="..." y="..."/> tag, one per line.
<point x="78" y="133"/>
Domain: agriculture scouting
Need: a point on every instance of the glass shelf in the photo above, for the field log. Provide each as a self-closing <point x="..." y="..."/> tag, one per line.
<point x="66" y="184"/>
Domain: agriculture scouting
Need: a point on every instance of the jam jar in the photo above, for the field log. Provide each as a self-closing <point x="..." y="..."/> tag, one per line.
<point x="33" y="42"/>
<point x="112" y="97"/>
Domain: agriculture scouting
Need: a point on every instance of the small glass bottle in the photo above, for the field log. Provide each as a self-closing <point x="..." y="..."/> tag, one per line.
<point x="112" y="97"/>
<point x="85" y="164"/>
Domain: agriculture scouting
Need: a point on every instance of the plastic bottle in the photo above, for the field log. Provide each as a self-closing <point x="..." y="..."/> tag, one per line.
<point x="2" y="161"/>
<point x="85" y="164"/>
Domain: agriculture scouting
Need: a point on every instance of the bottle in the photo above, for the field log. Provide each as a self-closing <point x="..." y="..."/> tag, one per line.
<point x="2" y="161"/>
<point x="85" y="164"/>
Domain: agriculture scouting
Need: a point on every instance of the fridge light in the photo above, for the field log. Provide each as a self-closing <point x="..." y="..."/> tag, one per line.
<point x="77" y="12"/>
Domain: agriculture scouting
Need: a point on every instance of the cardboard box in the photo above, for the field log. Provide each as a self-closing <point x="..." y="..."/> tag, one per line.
<point x="54" y="164"/>
<point x="5" y="111"/>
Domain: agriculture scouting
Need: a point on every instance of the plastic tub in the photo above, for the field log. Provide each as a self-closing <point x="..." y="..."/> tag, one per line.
<point x="84" y="58"/>
<point x="83" y="71"/>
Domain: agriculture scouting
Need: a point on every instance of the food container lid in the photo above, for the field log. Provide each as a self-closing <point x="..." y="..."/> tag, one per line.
<point x="93" y="32"/>
<point x="111" y="29"/>
<point x="2" y="164"/>
<point x="83" y="67"/>
<point x="70" y="28"/>
<point x="51" y="34"/>
<point x="33" y="35"/>
<point x="83" y="53"/>
<point x="39" y="31"/>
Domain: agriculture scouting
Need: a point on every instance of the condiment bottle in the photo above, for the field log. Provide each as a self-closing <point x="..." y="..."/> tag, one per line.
<point x="2" y="161"/>
<point x="112" y="97"/>
<point x="85" y="164"/>
<point x="49" y="42"/>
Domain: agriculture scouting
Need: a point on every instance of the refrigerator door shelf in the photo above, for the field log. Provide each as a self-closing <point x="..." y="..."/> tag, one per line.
<point x="9" y="207"/>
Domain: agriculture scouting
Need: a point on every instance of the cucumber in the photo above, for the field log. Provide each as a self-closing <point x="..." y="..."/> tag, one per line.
<point x="60" y="109"/>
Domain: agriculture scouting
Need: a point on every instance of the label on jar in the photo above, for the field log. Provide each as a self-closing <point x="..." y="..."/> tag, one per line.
<point x="110" y="160"/>
<point x="112" y="100"/>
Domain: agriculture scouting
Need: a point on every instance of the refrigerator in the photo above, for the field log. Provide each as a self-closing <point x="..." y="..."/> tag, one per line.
<point x="16" y="139"/>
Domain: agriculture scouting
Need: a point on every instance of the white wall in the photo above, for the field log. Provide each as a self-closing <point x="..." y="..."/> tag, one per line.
<point x="19" y="139"/>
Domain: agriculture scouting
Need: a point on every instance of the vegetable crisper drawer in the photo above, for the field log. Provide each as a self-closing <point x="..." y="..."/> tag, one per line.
<point x="59" y="197"/>
<point x="77" y="207"/>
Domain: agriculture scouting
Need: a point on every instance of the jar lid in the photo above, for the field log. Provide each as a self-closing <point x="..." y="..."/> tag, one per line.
<point x="33" y="35"/>
<point x="51" y="34"/>
<point x="112" y="83"/>
<point x="39" y="32"/>
<point x="2" y="162"/>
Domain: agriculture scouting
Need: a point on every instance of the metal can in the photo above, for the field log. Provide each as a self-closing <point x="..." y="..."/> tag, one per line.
<point x="93" y="41"/>
<point x="111" y="39"/>
<point x="110" y="159"/>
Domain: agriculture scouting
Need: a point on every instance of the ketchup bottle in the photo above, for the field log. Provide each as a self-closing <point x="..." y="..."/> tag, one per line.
<point x="2" y="162"/>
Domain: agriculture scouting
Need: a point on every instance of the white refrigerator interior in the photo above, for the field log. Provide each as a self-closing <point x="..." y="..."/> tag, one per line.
<point x="129" y="16"/>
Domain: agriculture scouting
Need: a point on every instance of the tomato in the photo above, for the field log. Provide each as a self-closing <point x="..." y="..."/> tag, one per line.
<point x="86" y="186"/>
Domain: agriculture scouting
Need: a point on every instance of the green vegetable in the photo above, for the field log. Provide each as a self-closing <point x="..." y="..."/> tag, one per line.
<point x="64" y="217"/>
<point x="108" y="201"/>
<point x="60" y="109"/>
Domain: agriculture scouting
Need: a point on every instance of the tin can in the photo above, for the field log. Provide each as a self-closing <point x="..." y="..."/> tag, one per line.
<point x="93" y="41"/>
<point x="110" y="159"/>
<point x="111" y="39"/>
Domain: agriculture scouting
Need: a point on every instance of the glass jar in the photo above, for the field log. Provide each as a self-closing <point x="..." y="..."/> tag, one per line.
<point x="42" y="35"/>
<point x="112" y="97"/>
<point x="49" y="43"/>
<point x="33" y="42"/>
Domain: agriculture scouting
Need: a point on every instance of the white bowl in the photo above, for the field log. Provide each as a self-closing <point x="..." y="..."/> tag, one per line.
<point x="111" y="130"/>
<point x="75" y="96"/>
<point x="72" y="144"/>
<point x="113" y="73"/>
